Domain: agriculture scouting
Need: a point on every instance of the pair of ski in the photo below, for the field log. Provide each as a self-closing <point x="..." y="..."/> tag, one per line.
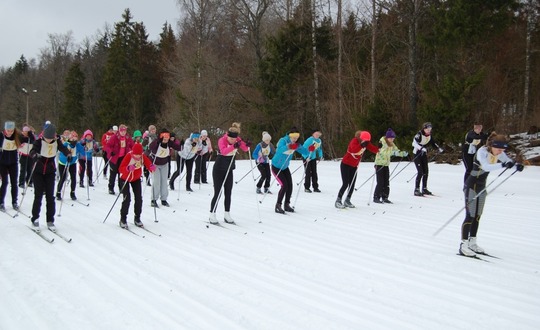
<point x="143" y="228"/>
<point x="50" y="239"/>
<point x="479" y="258"/>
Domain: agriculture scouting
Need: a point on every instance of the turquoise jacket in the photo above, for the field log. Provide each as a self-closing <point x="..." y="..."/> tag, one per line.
<point x="284" y="153"/>
<point x="317" y="153"/>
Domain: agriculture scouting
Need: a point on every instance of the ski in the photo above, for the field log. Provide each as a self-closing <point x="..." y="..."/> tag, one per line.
<point x="149" y="231"/>
<point x="11" y="215"/>
<point x="473" y="257"/>
<point x="67" y="239"/>
<point x="40" y="234"/>
<point x="21" y="212"/>
<point x="131" y="231"/>
<point x="489" y="255"/>
<point x="216" y="225"/>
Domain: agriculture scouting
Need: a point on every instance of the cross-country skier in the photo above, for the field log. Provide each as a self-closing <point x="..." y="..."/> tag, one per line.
<point x="311" y="161"/>
<point x="9" y="163"/>
<point x="387" y="149"/>
<point x="474" y="139"/>
<point x="488" y="158"/>
<point x="261" y="154"/>
<point x="420" y="142"/>
<point x="71" y="165"/>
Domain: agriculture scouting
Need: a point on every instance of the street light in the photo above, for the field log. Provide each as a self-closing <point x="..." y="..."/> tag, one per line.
<point x="27" y="95"/>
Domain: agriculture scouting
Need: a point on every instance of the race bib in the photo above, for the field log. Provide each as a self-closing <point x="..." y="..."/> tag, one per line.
<point x="48" y="150"/>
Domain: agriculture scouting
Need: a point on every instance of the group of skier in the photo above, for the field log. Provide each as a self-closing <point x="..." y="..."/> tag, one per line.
<point x="130" y="158"/>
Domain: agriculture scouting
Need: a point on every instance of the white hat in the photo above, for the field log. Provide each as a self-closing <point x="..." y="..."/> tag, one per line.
<point x="115" y="128"/>
<point x="266" y="137"/>
<point x="204" y="133"/>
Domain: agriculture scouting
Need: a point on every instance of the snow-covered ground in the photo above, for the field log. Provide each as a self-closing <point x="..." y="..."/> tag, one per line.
<point x="373" y="267"/>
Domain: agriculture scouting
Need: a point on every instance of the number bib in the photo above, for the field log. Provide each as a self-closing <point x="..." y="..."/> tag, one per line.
<point x="162" y="152"/>
<point x="9" y="145"/>
<point x="24" y="149"/>
<point x="48" y="150"/>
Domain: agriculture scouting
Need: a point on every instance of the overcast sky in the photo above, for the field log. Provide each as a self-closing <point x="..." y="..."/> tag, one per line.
<point x="25" y="24"/>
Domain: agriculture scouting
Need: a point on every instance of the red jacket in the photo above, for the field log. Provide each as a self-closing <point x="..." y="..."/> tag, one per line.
<point x="105" y="138"/>
<point x="137" y="173"/>
<point x="114" y="147"/>
<point x="352" y="158"/>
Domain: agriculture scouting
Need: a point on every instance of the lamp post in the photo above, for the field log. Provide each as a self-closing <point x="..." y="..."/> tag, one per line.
<point x="25" y="91"/>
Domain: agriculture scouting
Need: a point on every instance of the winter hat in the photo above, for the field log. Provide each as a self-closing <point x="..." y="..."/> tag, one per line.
<point x="173" y="134"/>
<point x="73" y="135"/>
<point x="115" y="128"/>
<point x="88" y="132"/>
<point x="123" y="127"/>
<point x="204" y="133"/>
<point x="8" y="125"/>
<point x="137" y="149"/>
<point x="266" y="137"/>
<point x="427" y="125"/>
<point x="390" y="134"/>
<point x="137" y="133"/>
<point x="26" y="128"/>
<point x="49" y="132"/>
<point x="365" y="136"/>
<point x="195" y="135"/>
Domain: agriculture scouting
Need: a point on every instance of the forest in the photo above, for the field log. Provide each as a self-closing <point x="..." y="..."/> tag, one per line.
<point x="332" y="65"/>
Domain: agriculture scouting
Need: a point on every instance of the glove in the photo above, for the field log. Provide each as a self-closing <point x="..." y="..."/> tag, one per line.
<point x="152" y="168"/>
<point x="423" y="150"/>
<point x="519" y="167"/>
<point x="248" y="144"/>
<point x="404" y="154"/>
<point x="204" y="143"/>
<point x="508" y="164"/>
<point x="131" y="168"/>
<point x="69" y="158"/>
<point x="35" y="156"/>
<point x="293" y="146"/>
<point x="236" y="144"/>
<point x="311" y="148"/>
<point x="113" y="153"/>
<point x="193" y="144"/>
<point x="364" y="144"/>
<point x="441" y="150"/>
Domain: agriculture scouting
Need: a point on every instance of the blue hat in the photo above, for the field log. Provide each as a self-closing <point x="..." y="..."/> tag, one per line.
<point x="195" y="135"/>
<point x="9" y="125"/>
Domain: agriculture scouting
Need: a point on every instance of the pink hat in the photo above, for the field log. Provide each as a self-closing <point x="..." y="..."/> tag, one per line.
<point x="88" y="132"/>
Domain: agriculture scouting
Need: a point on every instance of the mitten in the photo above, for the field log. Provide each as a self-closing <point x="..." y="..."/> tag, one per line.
<point x="508" y="164"/>
<point x="248" y="144"/>
<point x="236" y="144"/>
<point x="311" y="148"/>
<point x="193" y="144"/>
<point x="204" y="142"/>
<point x="131" y="168"/>
<point x="423" y="150"/>
<point x="364" y="144"/>
<point x="293" y="146"/>
<point x="152" y="168"/>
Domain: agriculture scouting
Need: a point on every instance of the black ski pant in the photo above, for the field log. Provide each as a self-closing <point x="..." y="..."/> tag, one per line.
<point x="44" y="183"/>
<point x="468" y="160"/>
<point x="421" y="163"/>
<point x="348" y="178"/>
<point x="311" y="175"/>
<point x="181" y="163"/>
<point x="474" y="207"/>
<point x="218" y="176"/>
<point x="85" y="166"/>
<point x="63" y="170"/>
<point x="114" y="173"/>
<point x="200" y="168"/>
<point x="25" y="173"/>
<point x="284" y="178"/>
<point x="126" y="195"/>
<point x="12" y="172"/>
<point x="106" y="160"/>
<point x="382" y="189"/>
<point x="264" y="168"/>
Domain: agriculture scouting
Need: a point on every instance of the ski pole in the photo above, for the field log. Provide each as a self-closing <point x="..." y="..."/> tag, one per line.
<point x="254" y="184"/>
<point x="298" y="184"/>
<point x="473" y="199"/>
<point x="409" y="163"/>
<point x="104" y="167"/>
<point x="371" y="190"/>
<point x="63" y="177"/>
<point x="415" y="174"/>
<point x="25" y="188"/>
<point x="250" y="171"/>
<point x="303" y="164"/>
<point x="395" y="168"/>
<point x="121" y="193"/>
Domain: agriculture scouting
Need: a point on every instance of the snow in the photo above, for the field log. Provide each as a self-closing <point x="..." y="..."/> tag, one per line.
<point x="372" y="267"/>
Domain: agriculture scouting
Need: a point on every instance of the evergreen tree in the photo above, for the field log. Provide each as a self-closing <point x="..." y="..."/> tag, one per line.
<point x="73" y="115"/>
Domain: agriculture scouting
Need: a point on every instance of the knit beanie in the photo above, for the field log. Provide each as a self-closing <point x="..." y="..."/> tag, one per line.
<point x="88" y="132"/>
<point x="49" y="132"/>
<point x="390" y="134"/>
<point x="365" y="136"/>
<point x="204" y="133"/>
<point x="137" y="133"/>
<point x="8" y="125"/>
<point x="266" y="137"/>
<point x="137" y="149"/>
